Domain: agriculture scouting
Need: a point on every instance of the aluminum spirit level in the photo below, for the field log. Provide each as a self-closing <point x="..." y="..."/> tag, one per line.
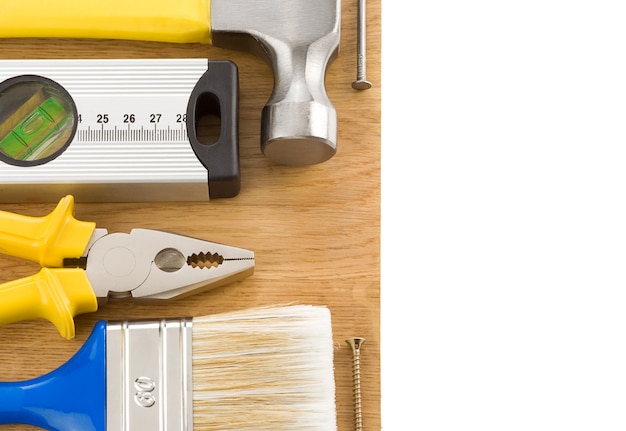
<point x="118" y="130"/>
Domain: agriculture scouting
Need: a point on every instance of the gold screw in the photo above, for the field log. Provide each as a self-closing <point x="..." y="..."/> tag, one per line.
<point x="356" y="344"/>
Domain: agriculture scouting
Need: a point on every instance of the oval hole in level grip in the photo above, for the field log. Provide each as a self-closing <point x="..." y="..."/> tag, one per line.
<point x="37" y="120"/>
<point x="208" y="119"/>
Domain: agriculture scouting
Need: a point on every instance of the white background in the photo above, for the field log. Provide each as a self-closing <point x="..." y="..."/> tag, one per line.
<point x="504" y="215"/>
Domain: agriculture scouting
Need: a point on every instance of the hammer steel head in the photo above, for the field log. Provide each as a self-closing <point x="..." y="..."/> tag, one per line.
<point x="299" y="39"/>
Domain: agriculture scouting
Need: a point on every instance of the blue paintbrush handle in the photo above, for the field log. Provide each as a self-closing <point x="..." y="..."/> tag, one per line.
<point x="72" y="397"/>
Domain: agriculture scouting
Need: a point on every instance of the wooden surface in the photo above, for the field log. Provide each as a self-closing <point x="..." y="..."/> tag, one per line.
<point x="315" y="230"/>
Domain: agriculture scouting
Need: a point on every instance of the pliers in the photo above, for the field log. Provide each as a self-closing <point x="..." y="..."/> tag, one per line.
<point x="83" y="266"/>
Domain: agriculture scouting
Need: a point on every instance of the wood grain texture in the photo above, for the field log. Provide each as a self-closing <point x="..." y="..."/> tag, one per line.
<point x="315" y="230"/>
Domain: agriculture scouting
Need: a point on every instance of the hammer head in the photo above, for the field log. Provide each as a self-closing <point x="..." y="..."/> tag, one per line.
<point x="299" y="39"/>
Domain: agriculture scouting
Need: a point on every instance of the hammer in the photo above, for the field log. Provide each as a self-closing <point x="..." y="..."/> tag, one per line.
<point x="298" y="38"/>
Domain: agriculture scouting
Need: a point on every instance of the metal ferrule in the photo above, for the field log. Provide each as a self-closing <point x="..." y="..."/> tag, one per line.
<point x="149" y="375"/>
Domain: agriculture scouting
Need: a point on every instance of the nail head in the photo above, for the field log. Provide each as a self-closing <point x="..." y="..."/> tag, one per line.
<point x="361" y="85"/>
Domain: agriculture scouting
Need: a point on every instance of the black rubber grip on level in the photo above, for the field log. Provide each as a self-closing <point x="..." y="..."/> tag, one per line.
<point x="217" y="93"/>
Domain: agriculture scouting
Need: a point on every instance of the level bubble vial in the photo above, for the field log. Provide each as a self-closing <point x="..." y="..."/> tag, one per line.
<point x="37" y="120"/>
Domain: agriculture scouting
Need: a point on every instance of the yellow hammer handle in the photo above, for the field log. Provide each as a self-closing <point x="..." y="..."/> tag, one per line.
<point x="180" y="21"/>
<point x="48" y="239"/>
<point x="53" y="294"/>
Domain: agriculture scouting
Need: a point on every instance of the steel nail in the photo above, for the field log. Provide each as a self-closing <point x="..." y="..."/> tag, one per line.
<point x="361" y="82"/>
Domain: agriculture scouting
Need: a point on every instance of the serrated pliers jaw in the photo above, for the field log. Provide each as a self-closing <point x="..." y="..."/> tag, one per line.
<point x="149" y="265"/>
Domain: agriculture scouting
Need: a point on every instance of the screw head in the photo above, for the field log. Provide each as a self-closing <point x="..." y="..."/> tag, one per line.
<point x="355" y="343"/>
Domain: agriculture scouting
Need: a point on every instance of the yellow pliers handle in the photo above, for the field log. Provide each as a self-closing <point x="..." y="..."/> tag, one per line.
<point x="181" y="21"/>
<point x="56" y="294"/>
<point x="53" y="294"/>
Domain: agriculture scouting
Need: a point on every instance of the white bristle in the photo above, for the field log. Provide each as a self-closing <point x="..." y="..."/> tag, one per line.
<point x="267" y="368"/>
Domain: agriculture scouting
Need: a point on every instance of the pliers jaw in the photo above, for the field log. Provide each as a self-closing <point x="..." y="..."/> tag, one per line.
<point x="150" y="265"/>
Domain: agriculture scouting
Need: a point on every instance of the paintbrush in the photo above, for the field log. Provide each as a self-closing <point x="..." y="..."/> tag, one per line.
<point x="267" y="368"/>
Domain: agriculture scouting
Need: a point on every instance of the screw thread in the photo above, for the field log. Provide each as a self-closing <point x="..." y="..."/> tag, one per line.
<point x="356" y="391"/>
<point x="356" y="344"/>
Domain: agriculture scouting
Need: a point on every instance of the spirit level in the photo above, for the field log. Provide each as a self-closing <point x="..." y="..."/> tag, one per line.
<point x="118" y="130"/>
